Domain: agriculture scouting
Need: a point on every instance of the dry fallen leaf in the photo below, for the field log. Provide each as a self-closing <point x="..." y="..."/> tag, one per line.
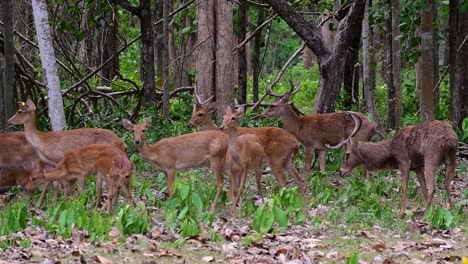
<point x="379" y="247"/>
<point x="114" y="233"/>
<point x="208" y="259"/>
<point x="366" y="234"/>
<point x="103" y="260"/>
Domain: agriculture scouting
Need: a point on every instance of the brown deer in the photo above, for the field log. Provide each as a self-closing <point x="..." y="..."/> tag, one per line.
<point x="52" y="146"/>
<point x="114" y="167"/>
<point x="420" y="148"/>
<point x="78" y="164"/>
<point x="244" y="154"/>
<point x="280" y="146"/>
<point x="11" y="177"/>
<point x="182" y="152"/>
<point x="316" y="130"/>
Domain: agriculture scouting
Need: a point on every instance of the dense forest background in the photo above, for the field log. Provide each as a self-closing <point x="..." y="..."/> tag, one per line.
<point x="400" y="61"/>
<point x="92" y="63"/>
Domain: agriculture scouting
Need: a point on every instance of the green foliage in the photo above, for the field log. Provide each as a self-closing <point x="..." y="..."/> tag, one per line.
<point x="13" y="218"/>
<point x="353" y="259"/>
<point x="133" y="220"/>
<point x="440" y="218"/>
<point x="282" y="207"/>
<point x="464" y="137"/>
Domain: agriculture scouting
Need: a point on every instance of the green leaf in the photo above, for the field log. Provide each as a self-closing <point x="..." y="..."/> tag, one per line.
<point x="353" y="259"/>
<point x="281" y="217"/>
<point x="183" y="213"/>
<point x="184" y="192"/>
<point x="448" y="218"/>
<point x="197" y="202"/>
<point x="63" y="219"/>
<point x="267" y="222"/>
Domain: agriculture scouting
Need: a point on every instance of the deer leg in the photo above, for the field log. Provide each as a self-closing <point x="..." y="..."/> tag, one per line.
<point x="322" y="157"/>
<point x="217" y="168"/>
<point x="301" y="183"/>
<point x="110" y="195"/>
<point x="240" y="192"/>
<point x="258" y="179"/>
<point x="429" y="170"/>
<point x="81" y="182"/>
<point x="449" y="173"/>
<point x="277" y="171"/>
<point x="128" y="193"/>
<point x="98" y="190"/>
<point x="309" y="156"/>
<point x="422" y="182"/>
<point x="404" y="169"/>
<point x="170" y="180"/>
<point x="44" y="191"/>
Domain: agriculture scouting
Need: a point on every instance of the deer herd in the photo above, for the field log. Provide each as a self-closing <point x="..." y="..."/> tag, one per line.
<point x="57" y="159"/>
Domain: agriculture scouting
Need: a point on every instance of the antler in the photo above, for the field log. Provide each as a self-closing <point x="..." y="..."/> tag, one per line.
<point x="198" y="100"/>
<point x="357" y="126"/>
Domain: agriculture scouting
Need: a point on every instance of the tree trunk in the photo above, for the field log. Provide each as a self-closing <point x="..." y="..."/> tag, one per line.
<point x="158" y="40"/>
<point x="330" y="61"/>
<point x="391" y="120"/>
<point x="205" y="63"/>
<point x="224" y="57"/>
<point x="396" y="62"/>
<point x="350" y="83"/>
<point x="455" y="100"/>
<point x="147" y="52"/>
<point x="46" y="50"/>
<point x="427" y="63"/>
<point x="368" y="71"/>
<point x="462" y="66"/>
<point x="435" y="47"/>
<point x="109" y="47"/>
<point x="256" y="55"/>
<point x="308" y="58"/>
<point x="165" y="77"/>
<point x="8" y="96"/>
<point x="241" y="53"/>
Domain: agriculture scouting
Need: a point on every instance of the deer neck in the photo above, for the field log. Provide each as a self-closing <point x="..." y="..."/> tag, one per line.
<point x="33" y="136"/>
<point x="208" y="125"/>
<point x="232" y="143"/>
<point x="144" y="149"/>
<point x="291" y="121"/>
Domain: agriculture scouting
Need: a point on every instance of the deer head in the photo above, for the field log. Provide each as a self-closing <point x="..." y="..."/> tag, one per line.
<point x="231" y="119"/>
<point x="139" y="130"/>
<point x="36" y="178"/>
<point x="201" y="114"/>
<point x="351" y="157"/>
<point x="276" y="109"/>
<point x="25" y="113"/>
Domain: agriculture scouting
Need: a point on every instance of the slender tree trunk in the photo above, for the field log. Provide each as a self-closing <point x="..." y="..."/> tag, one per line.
<point x="396" y="62"/>
<point x="165" y="76"/>
<point x="368" y="70"/>
<point x="391" y="120"/>
<point x="109" y="47"/>
<point x="147" y="54"/>
<point x="455" y="100"/>
<point x="435" y="47"/>
<point x="350" y="84"/>
<point x="241" y="53"/>
<point x="205" y="63"/>
<point x="427" y="63"/>
<point x="46" y="50"/>
<point x="462" y="65"/>
<point x="256" y="55"/>
<point x="224" y="57"/>
<point x="158" y="40"/>
<point x="308" y="58"/>
<point x="8" y="96"/>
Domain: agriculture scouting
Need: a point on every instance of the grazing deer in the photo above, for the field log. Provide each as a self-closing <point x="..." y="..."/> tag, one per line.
<point x="243" y="155"/>
<point x="113" y="167"/>
<point x="182" y="152"/>
<point x="280" y="146"/>
<point x="78" y="164"/>
<point x="11" y="177"/>
<point x="52" y="146"/>
<point x="420" y="148"/>
<point x="316" y="130"/>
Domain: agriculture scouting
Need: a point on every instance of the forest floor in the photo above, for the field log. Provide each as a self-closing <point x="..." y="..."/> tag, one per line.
<point x="411" y="240"/>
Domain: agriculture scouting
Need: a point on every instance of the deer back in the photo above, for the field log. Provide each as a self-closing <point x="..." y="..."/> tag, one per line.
<point x="16" y="152"/>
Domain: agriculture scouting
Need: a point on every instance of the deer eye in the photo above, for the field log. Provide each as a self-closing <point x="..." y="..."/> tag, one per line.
<point x="144" y="130"/>
<point x="234" y="118"/>
<point x="200" y="114"/>
<point x="346" y="157"/>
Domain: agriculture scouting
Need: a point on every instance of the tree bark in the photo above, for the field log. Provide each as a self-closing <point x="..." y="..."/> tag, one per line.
<point x="205" y="63"/>
<point x="391" y="105"/>
<point x="224" y="56"/>
<point x="8" y="96"/>
<point x="165" y="55"/>
<point x="241" y="53"/>
<point x="330" y="61"/>
<point x="396" y="63"/>
<point x="147" y="51"/>
<point x="427" y="63"/>
<point x="46" y="50"/>
<point x="158" y="40"/>
<point x="462" y="65"/>
<point x="351" y="84"/>
<point x="368" y="70"/>
<point x="455" y="100"/>
<point x="109" y="47"/>
<point x="256" y="55"/>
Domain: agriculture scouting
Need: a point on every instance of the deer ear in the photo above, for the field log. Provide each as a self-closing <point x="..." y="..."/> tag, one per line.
<point x="241" y="111"/>
<point x="30" y="105"/>
<point x="228" y="110"/>
<point x="127" y="124"/>
<point x="147" y="120"/>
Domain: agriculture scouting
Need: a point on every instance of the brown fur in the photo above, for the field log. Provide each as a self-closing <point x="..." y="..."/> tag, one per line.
<point x="182" y="152"/>
<point x="11" y="177"/>
<point x="279" y="145"/>
<point x="420" y="148"/>
<point x="315" y="131"/>
<point x="52" y="146"/>
<point x="244" y="154"/>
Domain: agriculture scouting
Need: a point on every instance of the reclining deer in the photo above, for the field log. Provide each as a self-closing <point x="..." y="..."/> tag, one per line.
<point x="420" y="148"/>
<point x="182" y="152"/>
<point x="280" y="146"/>
<point x="244" y="154"/>
<point x="52" y="146"/>
<point x="314" y="131"/>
